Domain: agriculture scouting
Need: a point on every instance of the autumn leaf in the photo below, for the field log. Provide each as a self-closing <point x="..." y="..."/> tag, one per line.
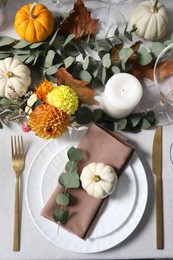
<point x="85" y="94"/>
<point x="164" y="69"/>
<point x="79" y="22"/>
<point x="114" y="52"/>
<point x="135" y="48"/>
<point x="140" y="71"/>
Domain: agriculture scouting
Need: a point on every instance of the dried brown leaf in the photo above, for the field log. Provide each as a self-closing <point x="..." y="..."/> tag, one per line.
<point x="85" y="94"/>
<point x="79" y="22"/>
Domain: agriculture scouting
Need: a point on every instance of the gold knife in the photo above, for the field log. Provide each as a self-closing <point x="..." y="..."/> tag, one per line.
<point x="157" y="170"/>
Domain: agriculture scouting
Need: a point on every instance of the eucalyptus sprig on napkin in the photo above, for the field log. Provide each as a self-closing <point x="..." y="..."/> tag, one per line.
<point x="68" y="179"/>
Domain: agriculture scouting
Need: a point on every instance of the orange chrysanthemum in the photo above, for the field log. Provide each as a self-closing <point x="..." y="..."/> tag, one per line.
<point x="42" y="90"/>
<point x="48" y="121"/>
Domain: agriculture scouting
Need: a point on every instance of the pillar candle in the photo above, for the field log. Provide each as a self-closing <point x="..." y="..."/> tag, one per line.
<point x="122" y="93"/>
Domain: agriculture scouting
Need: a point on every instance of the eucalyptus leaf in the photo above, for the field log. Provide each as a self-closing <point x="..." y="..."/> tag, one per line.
<point x="71" y="166"/>
<point x="81" y="48"/>
<point x="75" y="154"/>
<point x="4" y="55"/>
<point x="71" y="50"/>
<point x="150" y="116"/>
<point x="124" y="55"/>
<point x="102" y="53"/>
<point x="145" y="124"/>
<point x="97" y="46"/>
<point x="168" y="42"/>
<point x="157" y="48"/>
<point x="53" y="69"/>
<point x="69" y="180"/>
<point x="96" y="83"/>
<point x="68" y="39"/>
<point x="115" y="69"/>
<point x="1" y="125"/>
<point x="103" y="75"/>
<point x="21" y="44"/>
<point x="49" y="58"/>
<point x="61" y="216"/>
<point x="5" y="101"/>
<point x="30" y="59"/>
<point x="36" y="45"/>
<point x="21" y="51"/>
<point x="135" y="119"/>
<point x="106" y="60"/>
<point x="85" y="75"/>
<point x="5" y="49"/>
<point x="144" y="57"/>
<point x="85" y="62"/>
<point x="53" y="37"/>
<point x="6" y="40"/>
<point x="97" y="113"/>
<point x="122" y="123"/>
<point x="68" y="61"/>
<point x="84" y="116"/>
<point x="22" y="57"/>
<point x="62" y="199"/>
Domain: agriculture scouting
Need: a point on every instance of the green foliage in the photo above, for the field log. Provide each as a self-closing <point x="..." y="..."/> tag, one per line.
<point x="58" y="52"/>
<point x="69" y="179"/>
<point x="134" y="123"/>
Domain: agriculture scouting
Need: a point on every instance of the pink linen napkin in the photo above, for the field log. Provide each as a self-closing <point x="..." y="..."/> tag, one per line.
<point x="99" y="145"/>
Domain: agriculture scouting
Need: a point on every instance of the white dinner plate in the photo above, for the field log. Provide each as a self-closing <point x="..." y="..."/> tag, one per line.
<point x="120" y="217"/>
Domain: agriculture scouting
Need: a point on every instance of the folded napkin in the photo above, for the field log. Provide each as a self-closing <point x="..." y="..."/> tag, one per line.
<point x="99" y="145"/>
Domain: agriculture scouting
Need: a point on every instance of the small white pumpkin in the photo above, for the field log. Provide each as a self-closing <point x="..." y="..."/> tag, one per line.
<point x="15" y="78"/>
<point x="98" y="179"/>
<point x="151" y="20"/>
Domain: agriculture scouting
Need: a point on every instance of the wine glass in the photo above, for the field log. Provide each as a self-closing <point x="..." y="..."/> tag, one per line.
<point x="163" y="78"/>
<point x="158" y="95"/>
<point x="110" y="17"/>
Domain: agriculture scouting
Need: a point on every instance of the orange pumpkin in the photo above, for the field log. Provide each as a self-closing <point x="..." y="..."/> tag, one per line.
<point x="34" y="22"/>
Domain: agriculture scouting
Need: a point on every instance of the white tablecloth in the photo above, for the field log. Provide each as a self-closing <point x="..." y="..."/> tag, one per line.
<point x="140" y="244"/>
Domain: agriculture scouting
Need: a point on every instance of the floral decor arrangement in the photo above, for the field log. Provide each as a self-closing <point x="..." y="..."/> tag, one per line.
<point x="71" y="74"/>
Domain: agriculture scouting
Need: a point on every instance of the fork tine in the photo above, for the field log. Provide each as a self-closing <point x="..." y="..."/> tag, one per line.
<point x="12" y="147"/>
<point x="22" y="147"/>
<point x="17" y="147"/>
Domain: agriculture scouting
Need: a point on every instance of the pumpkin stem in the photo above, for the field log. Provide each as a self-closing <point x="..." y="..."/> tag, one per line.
<point x="154" y="8"/>
<point x="31" y="16"/>
<point x="96" y="178"/>
<point x="9" y="74"/>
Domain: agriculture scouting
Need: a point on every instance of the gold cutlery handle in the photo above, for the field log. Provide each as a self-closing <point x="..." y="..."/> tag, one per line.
<point x="16" y="234"/>
<point x="159" y="214"/>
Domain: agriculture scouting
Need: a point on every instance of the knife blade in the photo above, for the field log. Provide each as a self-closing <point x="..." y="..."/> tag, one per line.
<point x="157" y="170"/>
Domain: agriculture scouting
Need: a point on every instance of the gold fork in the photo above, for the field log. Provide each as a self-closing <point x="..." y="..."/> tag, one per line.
<point x="17" y="149"/>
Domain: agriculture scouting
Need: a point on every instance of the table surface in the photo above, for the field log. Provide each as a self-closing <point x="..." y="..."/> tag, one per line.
<point x="140" y="244"/>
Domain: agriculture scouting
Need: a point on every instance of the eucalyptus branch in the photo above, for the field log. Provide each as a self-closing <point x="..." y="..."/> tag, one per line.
<point x="68" y="179"/>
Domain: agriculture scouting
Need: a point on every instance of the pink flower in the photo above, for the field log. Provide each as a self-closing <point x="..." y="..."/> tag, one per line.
<point x="25" y="127"/>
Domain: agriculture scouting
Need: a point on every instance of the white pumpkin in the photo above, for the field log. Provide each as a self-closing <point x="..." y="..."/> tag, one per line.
<point x="151" y="20"/>
<point x="15" y="78"/>
<point x="98" y="179"/>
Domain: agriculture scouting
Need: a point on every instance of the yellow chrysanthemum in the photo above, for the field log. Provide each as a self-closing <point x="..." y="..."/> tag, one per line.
<point x="44" y="88"/>
<point x="48" y="121"/>
<point x="64" y="98"/>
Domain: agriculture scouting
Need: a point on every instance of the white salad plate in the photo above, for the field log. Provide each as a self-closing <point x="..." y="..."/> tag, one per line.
<point x="122" y="212"/>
